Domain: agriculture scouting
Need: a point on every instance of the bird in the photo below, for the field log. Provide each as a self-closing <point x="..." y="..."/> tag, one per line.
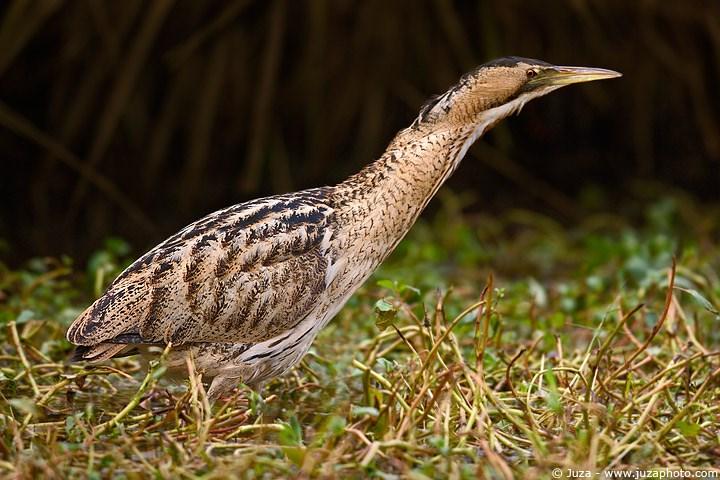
<point x="246" y="289"/>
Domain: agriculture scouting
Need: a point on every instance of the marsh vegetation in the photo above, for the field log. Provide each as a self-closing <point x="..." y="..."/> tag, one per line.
<point x="587" y="348"/>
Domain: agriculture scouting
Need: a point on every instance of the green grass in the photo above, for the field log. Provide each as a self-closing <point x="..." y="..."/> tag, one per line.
<point x="483" y="347"/>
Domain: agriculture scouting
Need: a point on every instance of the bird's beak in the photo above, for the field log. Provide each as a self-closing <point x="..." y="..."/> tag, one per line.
<point x="561" y="76"/>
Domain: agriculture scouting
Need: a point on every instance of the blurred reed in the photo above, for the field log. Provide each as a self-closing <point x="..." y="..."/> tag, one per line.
<point x="183" y="107"/>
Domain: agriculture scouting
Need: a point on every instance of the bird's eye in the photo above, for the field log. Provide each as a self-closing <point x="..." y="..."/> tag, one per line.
<point x="532" y="73"/>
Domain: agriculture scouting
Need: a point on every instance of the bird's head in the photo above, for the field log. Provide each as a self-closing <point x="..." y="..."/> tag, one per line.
<point x="499" y="88"/>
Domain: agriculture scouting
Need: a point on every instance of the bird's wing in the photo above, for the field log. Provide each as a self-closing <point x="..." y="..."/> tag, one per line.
<point x="243" y="274"/>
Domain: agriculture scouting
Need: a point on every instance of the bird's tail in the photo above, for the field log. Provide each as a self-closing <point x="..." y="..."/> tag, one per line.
<point x="100" y="352"/>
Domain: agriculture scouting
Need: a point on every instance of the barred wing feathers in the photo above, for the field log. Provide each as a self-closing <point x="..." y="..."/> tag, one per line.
<point x="244" y="274"/>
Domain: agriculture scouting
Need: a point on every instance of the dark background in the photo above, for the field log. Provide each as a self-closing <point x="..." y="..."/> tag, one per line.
<point x="133" y="118"/>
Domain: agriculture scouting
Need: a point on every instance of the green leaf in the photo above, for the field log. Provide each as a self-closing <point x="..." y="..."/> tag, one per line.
<point x="595" y="283"/>
<point x="291" y="434"/>
<point x="385" y="313"/>
<point x="24" y="405"/>
<point x="24" y="317"/>
<point x="295" y="454"/>
<point x="257" y="403"/>
<point x="290" y="438"/>
<point x="100" y="260"/>
<point x="334" y="427"/>
<point x="117" y="246"/>
<point x="704" y="302"/>
<point x="688" y="429"/>
<point x="69" y="423"/>
<point x="409" y="292"/>
<point x="389" y="284"/>
<point x="383" y="305"/>
<point x="439" y="443"/>
<point x="553" y="398"/>
<point x="360" y="411"/>
<point x="385" y="364"/>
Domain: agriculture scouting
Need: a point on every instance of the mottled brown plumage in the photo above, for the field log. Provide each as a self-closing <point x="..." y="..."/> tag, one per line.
<point x="247" y="288"/>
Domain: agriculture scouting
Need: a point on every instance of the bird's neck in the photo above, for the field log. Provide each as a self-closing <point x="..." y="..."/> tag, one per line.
<point x="386" y="197"/>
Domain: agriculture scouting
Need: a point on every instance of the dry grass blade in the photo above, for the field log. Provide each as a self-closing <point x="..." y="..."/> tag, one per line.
<point x="154" y="372"/>
<point x="21" y="353"/>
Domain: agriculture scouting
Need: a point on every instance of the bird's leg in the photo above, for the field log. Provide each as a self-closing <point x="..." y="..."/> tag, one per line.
<point x="257" y="401"/>
<point x="220" y="386"/>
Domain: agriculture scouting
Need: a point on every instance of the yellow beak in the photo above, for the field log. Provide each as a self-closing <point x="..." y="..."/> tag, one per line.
<point x="561" y="75"/>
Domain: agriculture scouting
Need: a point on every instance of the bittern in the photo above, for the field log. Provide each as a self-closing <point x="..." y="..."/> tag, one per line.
<point x="246" y="289"/>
